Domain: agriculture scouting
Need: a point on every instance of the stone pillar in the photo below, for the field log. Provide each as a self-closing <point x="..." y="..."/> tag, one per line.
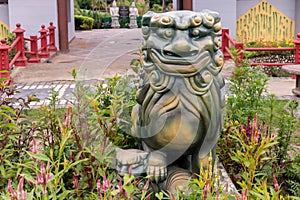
<point x="62" y="10"/>
<point x="52" y="46"/>
<point x="34" y="57"/>
<point x="44" y="45"/>
<point x="4" y="63"/>
<point x="21" y="59"/>
<point x="187" y="5"/>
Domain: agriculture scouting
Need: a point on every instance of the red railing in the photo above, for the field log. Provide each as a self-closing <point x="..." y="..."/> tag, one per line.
<point x="228" y="42"/>
<point x="18" y="44"/>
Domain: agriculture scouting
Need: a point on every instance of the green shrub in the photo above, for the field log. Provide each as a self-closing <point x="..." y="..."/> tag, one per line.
<point x="139" y="21"/>
<point x="97" y="19"/>
<point x="124" y="22"/>
<point x="9" y="40"/>
<point x="156" y="8"/>
<point x="241" y="140"/>
<point x="124" y="3"/>
<point x="246" y="89"/>
<point x="96" y="15"/>
<point x="142" y="8"/>
<point x="83" y="22"/>
<point x="106" y="22"/>
<point x="116" y="101"/>
<point x="54" y="156"/>
<point x="77" y="11"/>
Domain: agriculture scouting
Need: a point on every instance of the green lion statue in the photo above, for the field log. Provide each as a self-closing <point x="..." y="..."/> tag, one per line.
<point x="179" y="112"/>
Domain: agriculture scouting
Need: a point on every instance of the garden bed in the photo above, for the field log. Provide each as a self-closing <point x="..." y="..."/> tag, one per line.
<point x="253" y="147"/>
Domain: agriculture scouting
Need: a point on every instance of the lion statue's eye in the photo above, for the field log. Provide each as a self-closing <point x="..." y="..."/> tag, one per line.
<point x="195" y="32"/>
<point x="168" y="33"/>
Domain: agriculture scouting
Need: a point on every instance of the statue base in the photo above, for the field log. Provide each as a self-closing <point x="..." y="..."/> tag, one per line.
<point x="177" y="179"/>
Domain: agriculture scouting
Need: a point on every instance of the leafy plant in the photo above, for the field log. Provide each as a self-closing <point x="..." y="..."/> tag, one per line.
<point x="115" y="100"/>
<point x="246" y="89"/>
<point x="12" y="125"/>
<point x="247" y="152"/>
<point x="206" y="185"/>
<point x="9" y="40"/>
<point x="156" y="8"/>
<point x="83" y="22"/>
<point x="288" y="165"/>
<point x="247" y="98"/>
<point x="70" y="158"/>
<point x="68" y="153"/>
<point x="96" y="15"/>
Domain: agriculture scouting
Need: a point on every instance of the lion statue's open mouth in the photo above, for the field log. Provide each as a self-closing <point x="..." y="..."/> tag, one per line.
<point x="187" y="65"/>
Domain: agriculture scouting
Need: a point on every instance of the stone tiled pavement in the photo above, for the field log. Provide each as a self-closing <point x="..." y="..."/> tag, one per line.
<point x="42" y="91"/>
<point x="96" y="55"/>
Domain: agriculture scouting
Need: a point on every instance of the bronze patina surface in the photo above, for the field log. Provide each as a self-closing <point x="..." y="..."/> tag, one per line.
<point x="179" y="112"/>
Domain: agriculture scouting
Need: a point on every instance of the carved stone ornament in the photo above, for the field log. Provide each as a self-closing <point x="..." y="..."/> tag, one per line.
<point x="179" y="112"/>
<point x="114" y="12"/>
<point x="133" y="14"/>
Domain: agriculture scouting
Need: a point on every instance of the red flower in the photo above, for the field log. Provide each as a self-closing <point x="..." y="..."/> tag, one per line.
<point x="43" y="177"/>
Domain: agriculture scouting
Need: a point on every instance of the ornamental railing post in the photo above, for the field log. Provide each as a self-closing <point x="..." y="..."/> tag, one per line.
<point x="225" y="43"/>
<point x="21" y="60"/>
<point x="44" y="46"/>
<point x="34" y="57"/>
<point x="297" y="52"/>
<point x="52" y="46"/>
<point x="4" y="59"/>
<point x="239" y="46"/>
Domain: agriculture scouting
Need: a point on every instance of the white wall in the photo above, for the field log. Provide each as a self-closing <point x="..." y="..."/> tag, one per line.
<point x="31" y="14"/>
<point x="4" y="16"/>
<point x="226" y="9"/>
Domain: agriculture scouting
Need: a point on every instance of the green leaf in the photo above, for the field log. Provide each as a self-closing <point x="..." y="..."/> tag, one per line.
<point x="247" y="163"/>
<point x="41" y="157"/>
<point x="10" y="126"/>
<point x="67" y="168"/>
<point x="114" y="192"/>
<point x="30" y="195"/>
<point x="129" y="189"/>
<point x="128" y="186"/>
<point x="64" y="194"/>
<point x="276" y="195"/>
<point x="235" y="158"/>
<point x="159" y="195"/>
<point x="28" y="177"/>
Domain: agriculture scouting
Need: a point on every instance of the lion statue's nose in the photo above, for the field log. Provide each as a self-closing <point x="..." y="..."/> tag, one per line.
<point x="180" y="48"/>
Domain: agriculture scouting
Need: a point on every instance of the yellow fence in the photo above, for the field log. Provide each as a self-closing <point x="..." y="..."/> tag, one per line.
<point x="4" y="30"/>
<point x="264" y="22"/>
